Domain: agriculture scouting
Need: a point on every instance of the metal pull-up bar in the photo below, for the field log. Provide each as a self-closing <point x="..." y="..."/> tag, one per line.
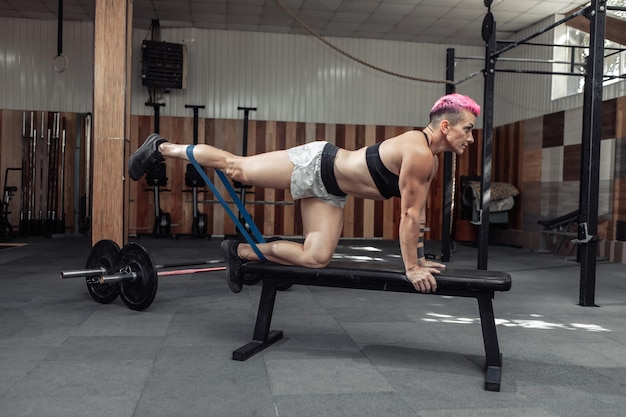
<point x="497" y="53"/>
<point x="592" y="132"/>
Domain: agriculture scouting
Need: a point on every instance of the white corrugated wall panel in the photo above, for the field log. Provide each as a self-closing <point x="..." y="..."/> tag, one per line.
<point x="297" y="78"/>
<point x="28" y="80"/>
<point x="288" y="77"/>
<point x="523" y="96"/>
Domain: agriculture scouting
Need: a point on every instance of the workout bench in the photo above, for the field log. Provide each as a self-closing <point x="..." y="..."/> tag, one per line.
<point x="480" y="285"/>
<point x="559" y="228"/>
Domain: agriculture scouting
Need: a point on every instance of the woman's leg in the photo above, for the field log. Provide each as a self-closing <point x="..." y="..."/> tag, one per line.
<point x="322" y="224"/>
<point x="270" y="170"/>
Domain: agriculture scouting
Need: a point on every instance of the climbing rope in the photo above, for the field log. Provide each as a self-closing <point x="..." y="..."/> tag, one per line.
<point x="352" y="57"/>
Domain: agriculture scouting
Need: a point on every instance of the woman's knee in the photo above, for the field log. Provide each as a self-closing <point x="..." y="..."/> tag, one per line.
<point x="318" y="259"/>
<point x="235" y="169"/>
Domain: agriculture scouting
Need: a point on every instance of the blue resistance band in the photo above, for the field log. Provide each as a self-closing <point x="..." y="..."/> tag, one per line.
<point x="236" y="200"/>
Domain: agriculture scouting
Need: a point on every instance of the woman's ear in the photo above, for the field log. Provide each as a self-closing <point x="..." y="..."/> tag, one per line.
<point x="444" y="126"/>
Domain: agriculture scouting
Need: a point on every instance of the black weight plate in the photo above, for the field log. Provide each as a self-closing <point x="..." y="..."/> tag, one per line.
<point x="138" y="293"/>
<point x="104" y="254"/>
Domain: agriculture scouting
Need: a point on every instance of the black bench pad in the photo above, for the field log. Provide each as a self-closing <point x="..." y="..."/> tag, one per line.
<point x="560" y="221"/>
<point x="378" y="276"/>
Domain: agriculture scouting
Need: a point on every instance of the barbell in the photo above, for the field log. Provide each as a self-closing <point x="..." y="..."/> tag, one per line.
<point x="129" y="272"/>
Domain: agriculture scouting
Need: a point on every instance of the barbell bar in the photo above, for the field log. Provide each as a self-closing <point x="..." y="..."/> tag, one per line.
<point x="102" y="270"/>
<point x="122" y="275"/>
<point x="138" y="278"/>
<point x="129" y="272"/>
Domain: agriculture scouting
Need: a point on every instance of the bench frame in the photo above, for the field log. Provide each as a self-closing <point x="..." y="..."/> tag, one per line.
<point x="560" y="228"/>
<point x="263" y="336"/>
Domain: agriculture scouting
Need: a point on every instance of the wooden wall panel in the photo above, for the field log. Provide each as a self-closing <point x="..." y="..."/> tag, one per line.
<point x="11" y="148"/>
<point x="609" y="119"/>
<point x="553" y="129"/>
<point x="364" y="218"/>
<point x="269" y="194"/>
<point x="292" y="132"/>
<point x="619" y="186"/>
<point x="620" y="118"/>
<point x="11" y="143"/>
<point x="507" y="148"/>
<point x="571" y="162"/>
<point x="533" y="133"/>
<point x="531" y="168"/>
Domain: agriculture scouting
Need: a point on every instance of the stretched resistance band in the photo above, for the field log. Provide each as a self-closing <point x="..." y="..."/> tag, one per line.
<point x="236" y="200"/>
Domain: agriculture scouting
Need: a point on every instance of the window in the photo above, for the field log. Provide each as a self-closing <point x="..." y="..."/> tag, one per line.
<point x="571" y="57"/>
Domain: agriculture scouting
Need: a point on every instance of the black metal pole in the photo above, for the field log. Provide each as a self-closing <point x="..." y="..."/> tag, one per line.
<point x="157" y="114"/>
<point x="489" y="36"/>
<point x="246" y="113"/>
<point x="590" y="158"/>
<point x="194" y="191"/>
<point x="60" y="29"/>
<point x="244" y="152"/>
<point x="194" y="108"/>
<point x="448" y="173"/>
<point x="539" y="72"/>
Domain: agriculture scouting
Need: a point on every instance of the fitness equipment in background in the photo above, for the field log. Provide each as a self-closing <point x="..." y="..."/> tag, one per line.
<point x="157" y="178"/>
<point x="130" y="273"/>
<point x="82" y="195"/>
<point x="199" y="221"/>
<point x="194" y="181"/>
<point x="52" y="221"/>
<point x="6" y="229"/>
<point x="60" y="225"/>
<point x="40" y="171"/>
<point x="26" y="209"/>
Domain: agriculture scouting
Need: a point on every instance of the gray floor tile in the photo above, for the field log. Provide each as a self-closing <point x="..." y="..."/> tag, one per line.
<point x="324" y="376"/>
<point x="373" y="404"/>
<point x="106" y="348"/>
<point x="201" y="397"/>
<point x="344" y="352"/>
<point x="74" y="378"/>
<point x="69" y="406"/>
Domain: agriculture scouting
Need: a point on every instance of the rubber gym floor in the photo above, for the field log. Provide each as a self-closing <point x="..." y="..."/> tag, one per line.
<point x="345" y="352"/>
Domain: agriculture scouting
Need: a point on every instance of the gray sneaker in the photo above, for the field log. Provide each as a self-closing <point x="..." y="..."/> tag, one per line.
<point x="146" y="157"/>
<point x="233" y="264"/>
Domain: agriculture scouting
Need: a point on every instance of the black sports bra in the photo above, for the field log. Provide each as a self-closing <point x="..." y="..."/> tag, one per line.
<point x="385" y="180"/>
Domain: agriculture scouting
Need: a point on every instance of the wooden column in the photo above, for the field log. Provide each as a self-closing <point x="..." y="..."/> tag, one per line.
<point x="112" y="69"/>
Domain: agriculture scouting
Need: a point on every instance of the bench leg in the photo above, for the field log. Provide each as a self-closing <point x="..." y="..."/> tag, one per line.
<point x="493" y="371"/>
<point x="262" y="337"/>
<point x="543" y="247"/>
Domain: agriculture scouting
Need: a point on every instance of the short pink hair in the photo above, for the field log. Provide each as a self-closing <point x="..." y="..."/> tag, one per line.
<point x="454" y="104"/>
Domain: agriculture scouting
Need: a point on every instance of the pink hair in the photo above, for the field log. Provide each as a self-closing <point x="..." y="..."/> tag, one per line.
<point x="454" y="104"/>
